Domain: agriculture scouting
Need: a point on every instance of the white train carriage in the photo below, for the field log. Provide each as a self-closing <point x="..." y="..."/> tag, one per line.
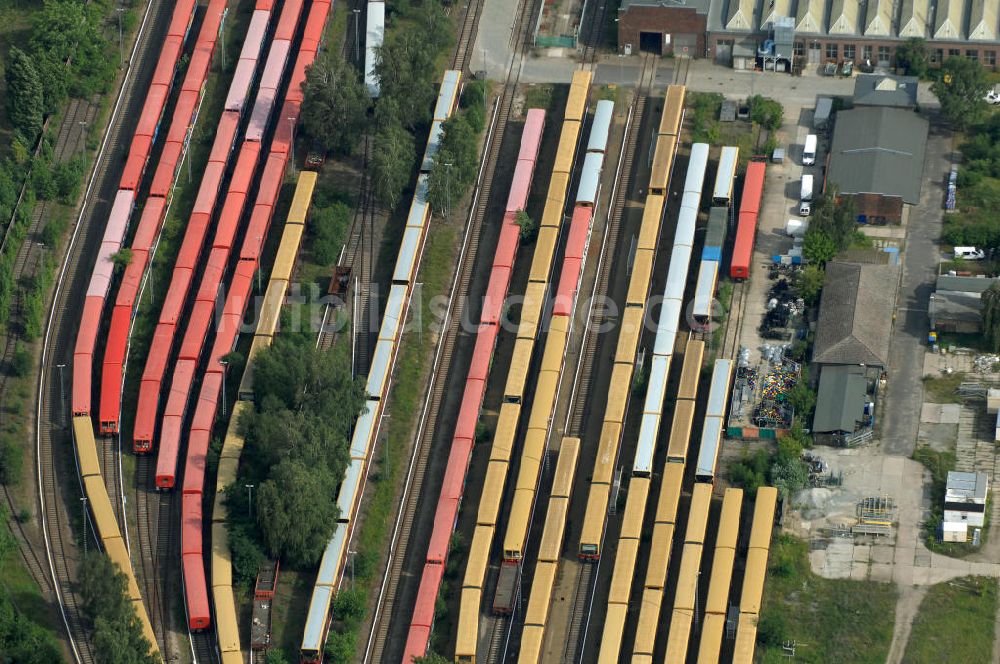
<point x="697" y="164"/>
<point x="652" y="415"/>
<point x="718" y="394"/>
<point x="433" y="145"/>
<point x="327" y="581"/>
<point x="590" y="179"/>
<point x="708" y="452"/>
<point x="687" y="220"/>
<point x="394" y="315"/>
<point x="364" y="430"/>
<point x="448" y="94"/>
<point x="601" y="127"/>
<point x="374" y="36"/>
<point x="378" y="371"/>
<point x="350" y="489"/>
<point x="704" y="294"/>
<point x="409" y="256"/>
<point x="722" y="193"/>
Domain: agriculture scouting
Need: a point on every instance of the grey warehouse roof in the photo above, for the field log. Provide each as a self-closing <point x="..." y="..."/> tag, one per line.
<point x="840" y="403"/>
<point x="954" y="306"/>
<point x="878" y="150"/>
<point x="884" y="90"/>
<point x="855" y="315"/>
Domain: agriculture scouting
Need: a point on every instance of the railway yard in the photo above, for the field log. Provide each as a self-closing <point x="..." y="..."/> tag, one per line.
<point x="607" y="336"/>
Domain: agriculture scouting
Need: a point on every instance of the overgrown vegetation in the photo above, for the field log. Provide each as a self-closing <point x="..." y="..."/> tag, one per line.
<point x="943" y="388"/>
<point x="22" y="636"/>
<point x="833" y="227"/>
<point x="976" y="223"/>
<point x="853" y="619"/>
<point x="955" y="623"/>
<point x="961" y="88"/>
<point x="118" y="637"/>
<point x="297" y="442"/>
<point x="456" y="163"/>
<point x="784" y="469"/>
<point x="406" y="69"/>
<point x="913" y="56"/>
<point x="335" y="102"/>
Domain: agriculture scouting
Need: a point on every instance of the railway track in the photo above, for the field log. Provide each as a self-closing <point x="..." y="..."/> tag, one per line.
<point x="457" y="302"/>
<point x="155" y="512"/>
<point x="25" y="267"/>
<point x="734" y="323"/>
<point x="54" y="449"/>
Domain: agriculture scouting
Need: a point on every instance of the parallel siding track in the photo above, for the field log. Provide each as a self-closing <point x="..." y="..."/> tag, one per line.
<point x="54" y="449"/>
<point x="459" y="295"/>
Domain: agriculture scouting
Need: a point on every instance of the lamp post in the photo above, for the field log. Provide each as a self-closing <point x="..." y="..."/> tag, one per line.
<point x="83" y="145"/>
<point x="250" y="499"/>
<point x="225" y="365"/>
<point x="222" y="31"/>
<point x="357" y="31"/>
<point x="121" y="44"/>
<point x="84" y="501"/>
<point x="291" y="127"/>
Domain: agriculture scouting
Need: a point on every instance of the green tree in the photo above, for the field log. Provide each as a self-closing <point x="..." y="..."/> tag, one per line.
<point x="122" y="258"/>
<point x="768" y="113"/>
<point x="817" y="247"/>
<point x="118" y="637"/>
<point x="297" y="510"/>
<point x="809" y="283"/>
<point x="529" y="228"/>
<point x="25" y="95"/>
<point x="802" y="399"/>
<point x="431" y="658"/>
<point x="334" y="104"/>
<point x="991" y="316"/>
<point x="391" y="163"/>
<point x="913" y="56"/>
<point x="405" y="67"/>
<point x="961" y="89"/>
<point x="276" y="656"/>
<point x="328" y="226"/>
<point x="788" y="476"/>
<point x="446" y="185"/>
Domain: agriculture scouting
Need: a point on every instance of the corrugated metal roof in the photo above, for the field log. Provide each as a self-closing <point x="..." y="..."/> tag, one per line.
<point x="913" y="19"/>
<point x="855" y="315"/>
<point x="967" y="486"/>
<point x="954" y="306"/>
<point x="878" y="18"/>
<point x="844" y="17"/>
<point x="879" y="150"/>
<point x="983" y="20"/>
<point x="948" y="19"/>
<point x="840" y="402"/>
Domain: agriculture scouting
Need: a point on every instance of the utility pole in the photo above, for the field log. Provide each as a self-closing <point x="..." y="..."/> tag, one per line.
<point x="62" y="395"/>
<point x="225" y="366"/>
<point x="250" y="499"/>
<point x="447" y="188"/>
<point x="121" y="44"/>
<point x="222" y="31"/>
<point x="357" y="33"/>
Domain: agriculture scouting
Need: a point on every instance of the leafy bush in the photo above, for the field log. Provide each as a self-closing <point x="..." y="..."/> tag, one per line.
<point x="328" y="226"/>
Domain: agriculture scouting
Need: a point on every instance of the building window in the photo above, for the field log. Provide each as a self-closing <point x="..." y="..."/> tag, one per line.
<point x="799" y="49"/>
<point x="866" y="51"/>
<point x="954" y="53"/>
<point x="831" y="51"/>
<point x="972" y="54"/>
<point x="849" y="52"/>
<point x="937" y="55"/>
<point x="883" y="53"/>
<point x="990" y="58"/>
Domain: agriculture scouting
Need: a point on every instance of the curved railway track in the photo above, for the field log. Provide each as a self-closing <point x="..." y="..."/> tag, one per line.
<point x="57" y="497"/>
<point x="25" y="265"/>
<point x="457" y="302"/>
<point x="157" y="541"/>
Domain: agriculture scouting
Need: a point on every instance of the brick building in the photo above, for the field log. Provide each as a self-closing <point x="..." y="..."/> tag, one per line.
<point x="825" y="30"/>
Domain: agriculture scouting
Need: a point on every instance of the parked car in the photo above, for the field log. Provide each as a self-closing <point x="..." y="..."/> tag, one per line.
<point x="992" y="97"/>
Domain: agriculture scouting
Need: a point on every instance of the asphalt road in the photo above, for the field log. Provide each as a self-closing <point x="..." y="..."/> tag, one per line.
<point x="904" y="391"/>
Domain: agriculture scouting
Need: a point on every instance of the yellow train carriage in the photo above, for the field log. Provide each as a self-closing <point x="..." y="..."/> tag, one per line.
<point x="701" y="498"/>
<point x="663" y="162"/>
<point x="566" y="151"/>
<point x="763" y="517"/>
<point x="226" y="628"/>
<point x="303" y="197"/>
<point x="746" y="639"/>
<point x="629" y="333"/>
<point x="520" y="365"/>
<point x="541" y="593"/>
<point x="288" y="249"/>
<point x="576" y="104"/>
<point x="489" y="504"/>
<point x="531" y="310"/>
<point x="100" y="507"/>
<point x="680" y="432"/>
<point x="555" y="201"/>
<point x="635" y="507"/>
<point x="593" y="521"/>
<point x="222" y="564"/>
<point x="468" y="625"/>
<point x="607" y="450"/>
<point x="673" y="110"/>
<point x="115" y="548"/>
<point x="753" y="581"/>
<point x="618" y="391"/>
<point x="518" y="522"/>
<point x="694" y="354"/>
<point x="661" y="546"/>
<point x="562" y="481"/>
<point x="670" y="493"/>
<point x="86" y="447"/>
<point x="729" y="519"/>
<point x="638" y="285"/>
<point x="531" y="644"/>
<point x="503" y="437"/>
<point x="710" y="645"/>
<point x="479" y="557"/>
<point x="621" y="578"/>
<point x="678" y="637"/>
<point x="545" y="249"/>
<point x="614" y="629"/>
<point x="649" y="229"/>
<point x="648" y="625"/>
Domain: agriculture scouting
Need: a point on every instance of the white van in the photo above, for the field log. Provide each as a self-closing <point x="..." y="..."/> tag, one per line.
<point x="807" y="188"/>
<point x="809" y="151"/>
<point x="969" y="253"/>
